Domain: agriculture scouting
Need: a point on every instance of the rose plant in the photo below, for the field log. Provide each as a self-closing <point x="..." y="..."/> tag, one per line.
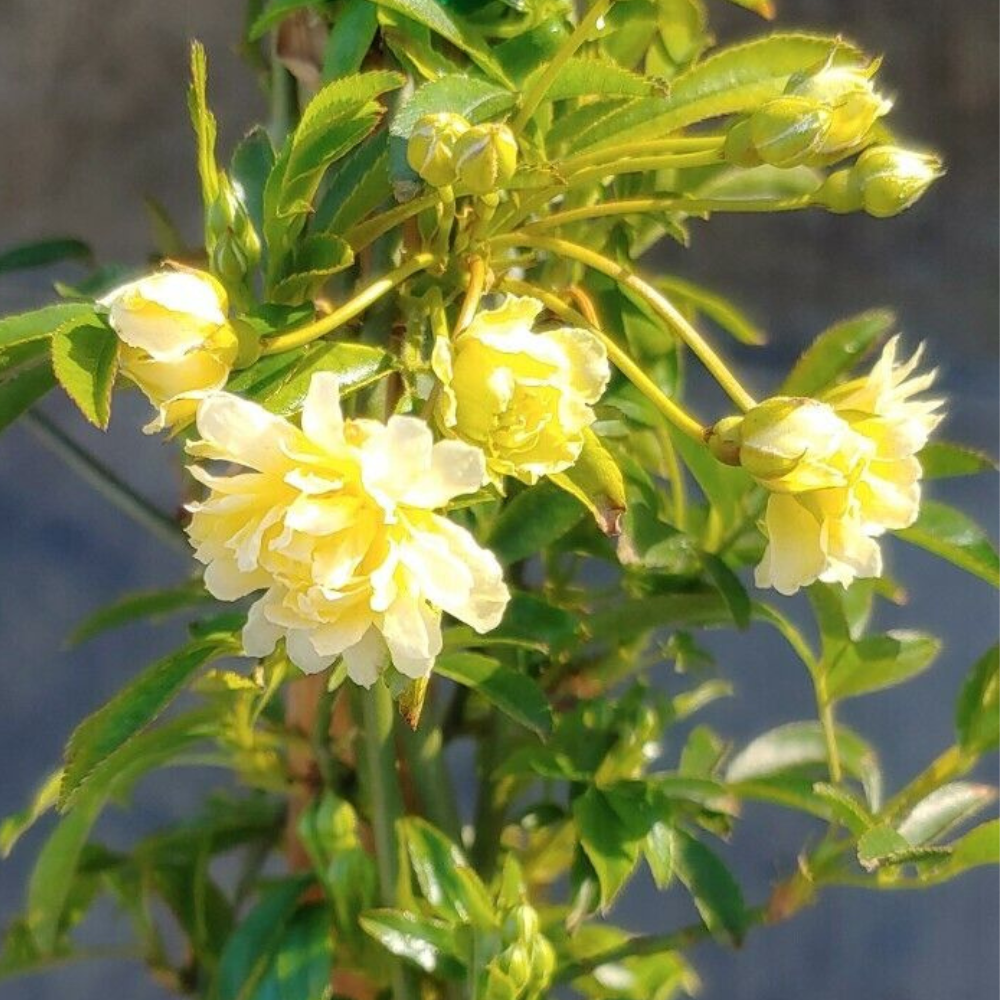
<point x="445" y="491"/>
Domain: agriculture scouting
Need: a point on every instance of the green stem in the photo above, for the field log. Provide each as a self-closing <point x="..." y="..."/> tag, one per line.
<point x="473" y="293"/>
<point x="365" y="233"/>
<point x="284" y="101"/>
<point x="642" y="164"/>
<point x="679" y="417"/>
<point x="825" y="706"/>
<point x="645" y="147"/>
<point x="491" y="811"/>
<point x="633" y="206"/>
<point x="353" y="307"/>
<point x="377" y="716"/>
<point x="658" y="302"/>
<point x="126" y="499"/>
<point x="423" y="747"/>
<point x="537" y="91"/>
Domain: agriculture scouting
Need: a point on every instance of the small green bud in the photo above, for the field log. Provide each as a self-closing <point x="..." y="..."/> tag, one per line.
<point x="230" y="261"/>
<point x="839" y="193"/>
<point x="486" y="157"/>
<point x="788" y="131"/>
<point x="543" y="964"/>
<point x="516" y="963"/>
<point x="890" y="180"/>
<point x="738" y="148"/>
<point x="724" y="439"/>
<point x="521" y="924"/>
<point x="430" y="151"/>
<point x="851" y="98"/>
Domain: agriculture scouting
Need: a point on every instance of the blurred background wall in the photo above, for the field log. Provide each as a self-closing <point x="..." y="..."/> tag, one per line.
<point x="93" y="118"/>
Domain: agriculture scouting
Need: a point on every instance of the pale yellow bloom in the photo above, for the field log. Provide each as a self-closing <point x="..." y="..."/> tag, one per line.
<point x="176" y="341"/>
<point x="524" y="397"/>
<point x="842" y="470"/>
<point x="336" y="522"/>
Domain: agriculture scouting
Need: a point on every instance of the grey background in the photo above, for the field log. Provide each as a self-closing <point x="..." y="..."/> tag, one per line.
<point x="93" y="118"/>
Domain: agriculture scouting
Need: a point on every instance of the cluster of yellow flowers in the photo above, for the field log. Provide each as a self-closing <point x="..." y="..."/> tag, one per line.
<point x="337" y="521"/>
<point x="841" y="470"/>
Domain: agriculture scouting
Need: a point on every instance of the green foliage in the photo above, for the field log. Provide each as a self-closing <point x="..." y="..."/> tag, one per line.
<point x="85" y="361"/>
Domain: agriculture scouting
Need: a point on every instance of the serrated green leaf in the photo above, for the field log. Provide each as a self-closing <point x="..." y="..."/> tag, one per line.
<point x="514" y="693"/>
<point x="25" y="327"/>
<point x="475" y="99"/>
<point x="453" y="28"/>
<point x="85" y="362"/>
<point x="203" y="123"/>
<point x="609" y="843"/>
<point x="249" y="168"/>
<point x="955" y="537"/>
<point x="715" y="892"/>
<point x="532" y="520"/>
<point x="596" y="481"/>
<point x="977" y="711"/>
<point x="16" y="825"/>
<point x="312" y="263"/>
<point x="732" y="80"/>
<point x="880" y="661"/>
<point x="836" y="351"/>
<point x="798" y="746"/>
<point x="942" y="460"/>
<point x="357" y="185"/>
<point x="252" y="947"/>
<point x="585" y="77"/>
<point x="430" y="944"/>
<point x="153" y="604"/>
<point x="943" y="810"/>
<point x="880" y="844"/>
<point x="447" y="880"/>
<point x="52" y="877"/>
<point x="134" y="706"/>
<point x="43" y="253"/>
<point x="633" y="617"/>
<point x="351" y="36"/>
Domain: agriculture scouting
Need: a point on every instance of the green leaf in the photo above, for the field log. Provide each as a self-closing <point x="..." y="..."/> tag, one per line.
<point x="585" y="77"/>
<point x="356" y="186"/>
<point x="715" y="892"/>
<point x="249" y="169"/>
<point x="203" y="122"/>
<point x="514" y="693"/>
<point x="447" y="880"/>
<point x="609" y="843"/>
<point x="633" y="617"/>
<point x="530" y="522"/>
<point x="355" y="365"/>
<point x="730" y="588"/>
<point x="836" y="351"/>
<point x="337" y="118"/>
<point x="955" y="537"/>
<point x="765" y="8"/>
<point x="153" y="604"/>
<point x="430" y="944"/>
<point x="977" y="712"/>
<point x="943" y="810"/>
<point x="438" y="19"/>
<point x="16" y="825"/>
<point x="52" y="877"/>
<point x="596" y="481"/>
<point x="942" y="460"/>
<point x="798" y="746"/>
<point x="658" y="850"/>
<point x="22" y="390"/>
<point x="43" y="253"/>
<point x="532" y="621"/>
<point x="311" y="264"/>
<point x="351" y="36"/>
<point x="980" y="846"/>
<point x="763" y="183"/>
<point x="29" y="326"/>
<point x="132" y="709"/>
<point x="85" y="361"/>
<point x="254" y="944"/>
<point x="304" y="961"/>
<point x="475" y="99"/>
<point x="734" y="79"/>
<point x="716" y="308"/>
<point x="882" y="845"/>
<point x="880" y="661"/>
<point x="274" y="12"/>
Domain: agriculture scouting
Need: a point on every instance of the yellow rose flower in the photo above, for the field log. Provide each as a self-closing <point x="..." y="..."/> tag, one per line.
<point x="523" y="397"/>
<point x="336" y="522"/>
<point x="176" y="341"/>
<point x="842" y="470"/>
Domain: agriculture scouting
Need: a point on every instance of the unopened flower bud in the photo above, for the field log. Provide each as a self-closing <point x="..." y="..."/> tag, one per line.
<point x="738" y="148"/>
<point x="229" y="260"/>
<point x="890" y="179"/>
<point x="521" y="924"/>
<point x="839" y="193"/>
<point x="486" y="157"/>
<point x="788" y="131"/>
<point x="851" y="98"/>
<point x="516" y="963"/>
<point x="430" y="151"/>
<point x="543" y="965"/>
<point x="723" y="440"/>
